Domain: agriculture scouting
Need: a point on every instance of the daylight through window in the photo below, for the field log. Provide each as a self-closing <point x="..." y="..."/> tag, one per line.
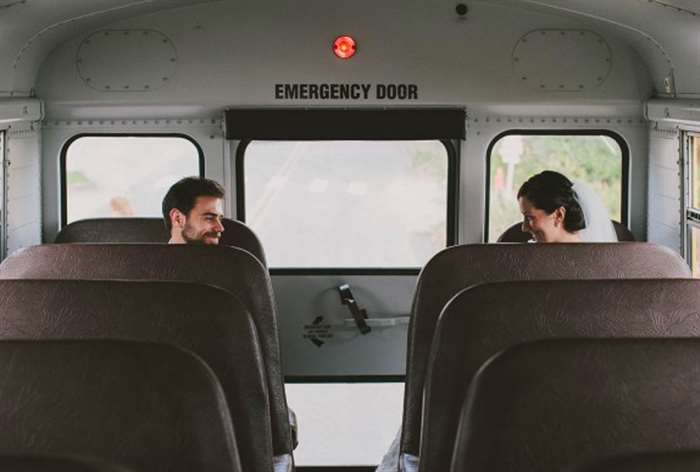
<point x="121" y="176"/>
<point x="594" y="159"/>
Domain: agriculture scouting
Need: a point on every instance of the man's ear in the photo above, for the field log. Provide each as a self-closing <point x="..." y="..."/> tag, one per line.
<point x="177" y="218"/>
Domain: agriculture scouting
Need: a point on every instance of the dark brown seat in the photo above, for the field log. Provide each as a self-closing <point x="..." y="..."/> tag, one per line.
<point x="141" y="406"/>
<point x="554" y="404"/>
<point x="515" y="235"/>
<point x="205" y="320"/>
<point x="486" y="319"/>
<point x="49" y="463"/>
<point x="232" y="269"/>
<point x="679" y="461"/>
<point x="458" y="267"/>
<point x="151" y="230"/>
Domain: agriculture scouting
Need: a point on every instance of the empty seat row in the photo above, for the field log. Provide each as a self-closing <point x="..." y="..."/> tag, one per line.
<point x="459" y="267"/>
<point x="112" y="406"/>
<point x="561" y="405"/>
<point x="486" y="319"/>
<point x="209" y="322"/>
<point x="228" y="268"/>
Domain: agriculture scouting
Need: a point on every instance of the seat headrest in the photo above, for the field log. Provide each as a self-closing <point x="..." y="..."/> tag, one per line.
<point x="515" y="235"/>
<point x="151" y="230"/>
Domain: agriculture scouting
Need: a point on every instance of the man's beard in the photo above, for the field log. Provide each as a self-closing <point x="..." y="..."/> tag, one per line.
<point x="189" y="239"/>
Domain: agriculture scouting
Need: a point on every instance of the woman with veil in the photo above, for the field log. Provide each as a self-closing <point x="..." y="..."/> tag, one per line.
<point x="555" y="210"/>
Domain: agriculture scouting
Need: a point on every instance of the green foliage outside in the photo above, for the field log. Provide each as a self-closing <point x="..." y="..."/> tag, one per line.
<point x="77" y="178"/>
<point x="595" y="160"/>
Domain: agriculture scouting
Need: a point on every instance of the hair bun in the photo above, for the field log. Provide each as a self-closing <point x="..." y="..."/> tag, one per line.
<point x="550" y="190"/>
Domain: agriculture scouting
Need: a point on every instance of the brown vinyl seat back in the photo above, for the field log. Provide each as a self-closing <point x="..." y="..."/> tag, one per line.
<point x="151" y="230"/>
<point x="141" y="406"/>
<point x="458" y="267"/>
<point x="50" y="463"/>
<point x="678" y="461"/>
<point x="555" y="404"/>
<point x="207" y="321"/>
<point x="514" y="234"/>
<point x="486" y="319"/>
<point x="232" y="269"/>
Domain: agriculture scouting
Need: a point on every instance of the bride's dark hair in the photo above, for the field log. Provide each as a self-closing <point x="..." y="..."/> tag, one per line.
<point x="550" y="190"/>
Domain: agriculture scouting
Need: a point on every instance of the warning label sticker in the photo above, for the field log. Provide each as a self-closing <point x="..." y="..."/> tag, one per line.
<point x="317" y="331"/>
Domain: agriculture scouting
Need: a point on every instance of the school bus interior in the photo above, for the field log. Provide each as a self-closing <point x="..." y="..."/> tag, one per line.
<point x="371" y="154"/>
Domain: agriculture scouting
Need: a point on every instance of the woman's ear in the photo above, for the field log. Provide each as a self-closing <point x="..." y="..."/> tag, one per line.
<point x="559" y="216"/>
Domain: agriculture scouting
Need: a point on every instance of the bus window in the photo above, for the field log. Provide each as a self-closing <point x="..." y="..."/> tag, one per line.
<point x="121" y="176"/>
<point x="692" y="210"/>
<point x="347" y="204"/>
<point x="596" y="158"/>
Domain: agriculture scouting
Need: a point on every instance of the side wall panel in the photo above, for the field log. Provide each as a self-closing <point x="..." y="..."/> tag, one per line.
<point x="665" y="198"/>
<point x="23" y="174"/>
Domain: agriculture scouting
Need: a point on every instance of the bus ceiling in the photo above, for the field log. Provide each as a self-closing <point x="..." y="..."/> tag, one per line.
<point x="655" y="38"/>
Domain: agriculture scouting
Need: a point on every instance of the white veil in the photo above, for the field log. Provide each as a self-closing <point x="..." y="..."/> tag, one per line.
<point x="599" y="228"/>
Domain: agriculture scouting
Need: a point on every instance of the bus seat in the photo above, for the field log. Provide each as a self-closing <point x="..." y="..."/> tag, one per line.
<point x="230" y="268"/>
<point x="556" y="404"/>
<point x="52" y="463"/>
<point x="485" y="319"/>
<point x="151" y="230"/>
<point x="672" y="461"/>
<point x="207" y="321"/>
<point x="515" y="235"/>
<point x="458" y="267"/>
<point x="142" y="406"/>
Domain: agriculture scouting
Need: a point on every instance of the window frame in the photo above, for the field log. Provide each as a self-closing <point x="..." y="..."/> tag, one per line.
<point x="64" y="154"/>
<point x="3" y="199"/>
<point x="451" y="147"/>
<point x="690" y="216"/>
<point x="624" y="148"/>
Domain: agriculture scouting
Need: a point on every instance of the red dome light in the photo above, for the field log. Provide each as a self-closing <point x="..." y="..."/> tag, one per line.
<point x="344" y="47"/>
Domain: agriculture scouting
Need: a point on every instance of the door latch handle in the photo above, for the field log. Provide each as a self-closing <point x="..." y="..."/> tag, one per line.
<point x="358" y="314"/>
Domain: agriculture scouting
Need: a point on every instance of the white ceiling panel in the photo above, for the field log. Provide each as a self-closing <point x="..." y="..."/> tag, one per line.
<point x="30" y="29"/>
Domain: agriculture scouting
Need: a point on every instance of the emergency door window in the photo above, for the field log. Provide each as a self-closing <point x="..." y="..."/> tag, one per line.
<point x="347" y="204"/>
<point x="596" y="160"/>
<point x="122" y="176"/>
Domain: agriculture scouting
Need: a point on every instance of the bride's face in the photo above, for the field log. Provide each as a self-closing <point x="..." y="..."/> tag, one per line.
<point x="544" y="227"/>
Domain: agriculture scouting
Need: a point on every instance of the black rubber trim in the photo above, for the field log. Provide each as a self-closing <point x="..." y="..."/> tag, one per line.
<point x="337" y="124"/>
<point x="624" y="148"/>
<point x="64" y="152"/>
<point x="323" y="379"/>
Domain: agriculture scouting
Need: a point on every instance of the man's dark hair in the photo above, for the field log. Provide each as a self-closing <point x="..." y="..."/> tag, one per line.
<point x="550" y="190"/>
<point x="183" y="194"/>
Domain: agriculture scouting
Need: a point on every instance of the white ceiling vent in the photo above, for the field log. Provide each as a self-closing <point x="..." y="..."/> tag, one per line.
<point x="562" y="60"/>
<point x="126" y="60"/>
